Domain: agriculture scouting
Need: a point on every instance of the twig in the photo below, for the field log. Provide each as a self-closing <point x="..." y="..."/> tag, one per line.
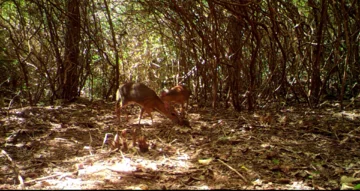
<point x="15" y="168"/>
<point x="91" y="140"/>
<point x="159" y="139"/>
<point x="13" y="100"/>
<point x="231" y="168"/>
<point x="42" y="178"/>
<point x="105" y="139"/>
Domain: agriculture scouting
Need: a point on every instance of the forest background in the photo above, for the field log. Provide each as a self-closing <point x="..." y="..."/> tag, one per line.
<point x="240" y="53"/>
<point x="275" y="94"/>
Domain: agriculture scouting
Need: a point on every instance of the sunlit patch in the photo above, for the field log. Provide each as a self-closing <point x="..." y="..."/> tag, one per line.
<point x="184" y="156"/>
<point x="202" y="187"/>
<point x="123" y="166"/>
<point x="147" y="164"/>
<point x="182" y="164"/>
<point x="299" y="186"/>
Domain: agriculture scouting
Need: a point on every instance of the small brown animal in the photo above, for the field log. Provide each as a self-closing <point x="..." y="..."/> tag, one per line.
<point x="179" y="94"/>
<point x="138" y="93"/>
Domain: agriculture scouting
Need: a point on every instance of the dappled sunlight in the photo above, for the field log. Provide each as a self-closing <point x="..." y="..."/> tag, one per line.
<point x="62" y="149"/>
<point x="220" y="94"/>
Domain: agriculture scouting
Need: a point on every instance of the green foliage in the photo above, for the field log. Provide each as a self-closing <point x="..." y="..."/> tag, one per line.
<point x="357" y="187"/>
<point x="276" y="161"/>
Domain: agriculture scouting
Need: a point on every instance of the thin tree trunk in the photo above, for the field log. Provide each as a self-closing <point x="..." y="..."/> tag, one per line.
<point x="348" y="52"/>
<point x="114" y="83"/>
<point x="315" y="77"/>
<point x="69" y="71"/>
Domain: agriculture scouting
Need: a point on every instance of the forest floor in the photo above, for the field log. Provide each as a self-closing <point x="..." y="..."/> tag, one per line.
<point x="61" y="147"/>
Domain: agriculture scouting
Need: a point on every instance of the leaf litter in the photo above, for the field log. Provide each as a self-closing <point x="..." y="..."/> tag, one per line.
<point x="70" y="147"/>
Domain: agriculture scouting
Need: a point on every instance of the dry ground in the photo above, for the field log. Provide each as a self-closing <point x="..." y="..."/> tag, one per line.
<point x="61" y="147"/>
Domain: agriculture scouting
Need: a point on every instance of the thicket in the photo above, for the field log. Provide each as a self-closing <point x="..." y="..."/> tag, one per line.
<point x="239" y="52"/>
